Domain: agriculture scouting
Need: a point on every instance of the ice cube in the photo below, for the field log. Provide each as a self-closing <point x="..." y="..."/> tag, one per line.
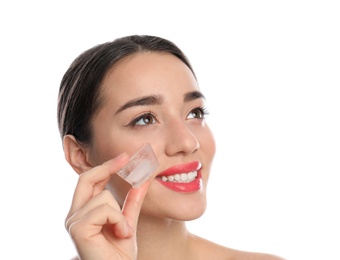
<point x="140" y="166"/>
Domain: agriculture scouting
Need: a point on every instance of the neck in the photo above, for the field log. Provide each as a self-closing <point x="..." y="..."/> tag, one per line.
<point x="174" y="242"/>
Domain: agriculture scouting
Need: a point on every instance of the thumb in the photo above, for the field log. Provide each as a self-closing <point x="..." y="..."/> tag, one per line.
<point x="133" y="203"/>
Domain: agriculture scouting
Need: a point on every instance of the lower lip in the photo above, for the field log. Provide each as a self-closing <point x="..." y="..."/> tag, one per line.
<point x="192" y="186"/>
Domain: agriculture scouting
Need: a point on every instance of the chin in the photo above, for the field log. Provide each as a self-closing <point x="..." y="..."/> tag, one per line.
<point x="192" y="216"/>
<point x="191" y="213"/>
<point x="185" y="211"/>
<point x="167" y="204"/>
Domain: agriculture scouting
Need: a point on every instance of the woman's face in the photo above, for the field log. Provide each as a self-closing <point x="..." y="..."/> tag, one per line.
<point x="154" y="97"/>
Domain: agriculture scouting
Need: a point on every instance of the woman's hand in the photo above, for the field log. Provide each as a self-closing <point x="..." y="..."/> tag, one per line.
<point x="96" y="223"/>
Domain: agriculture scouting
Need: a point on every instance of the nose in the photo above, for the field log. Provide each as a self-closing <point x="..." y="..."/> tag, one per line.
<point x="180" y="139"/>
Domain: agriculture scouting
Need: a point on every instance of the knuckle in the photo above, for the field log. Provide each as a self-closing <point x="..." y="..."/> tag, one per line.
<point x="74" y="231"/>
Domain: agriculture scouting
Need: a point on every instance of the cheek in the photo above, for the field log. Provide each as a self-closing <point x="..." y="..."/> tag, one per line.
<point x="208" y="147"/>
<point x="99" y="155"/>
<point x="107" y="146"/>
<point x="207" y="143"/>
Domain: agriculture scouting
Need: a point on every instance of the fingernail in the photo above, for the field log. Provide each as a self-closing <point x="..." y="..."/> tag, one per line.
<point x="122" y="155"/>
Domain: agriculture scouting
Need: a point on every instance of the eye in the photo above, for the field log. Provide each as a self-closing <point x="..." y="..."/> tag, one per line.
<point x="143" y="120"/>
<point x="198" y="112"/>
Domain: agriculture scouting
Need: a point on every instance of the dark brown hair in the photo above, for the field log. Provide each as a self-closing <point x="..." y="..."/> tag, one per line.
<point x="78" y="99"/>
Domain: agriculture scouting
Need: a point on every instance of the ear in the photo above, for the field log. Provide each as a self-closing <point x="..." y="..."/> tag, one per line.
<point x="76" y="155"/>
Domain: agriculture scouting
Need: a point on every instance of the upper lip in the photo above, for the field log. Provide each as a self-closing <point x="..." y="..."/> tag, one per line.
<point x="181" y="168"/>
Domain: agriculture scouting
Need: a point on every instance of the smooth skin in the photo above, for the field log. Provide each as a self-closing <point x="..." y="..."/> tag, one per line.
<point x="146" y="222"/>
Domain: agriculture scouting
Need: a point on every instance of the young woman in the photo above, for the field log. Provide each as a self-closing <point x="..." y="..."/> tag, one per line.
<point x="114" y="98"/>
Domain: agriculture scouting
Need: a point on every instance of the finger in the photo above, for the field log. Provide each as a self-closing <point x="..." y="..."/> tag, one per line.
<point x="91" y="224"/>
<point x="105" y="197"/>
<point x="92" y="182"/>
<point x="133" y="203"/>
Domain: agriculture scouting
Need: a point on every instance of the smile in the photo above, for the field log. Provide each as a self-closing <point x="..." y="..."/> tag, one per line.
<point x="182" y="178"/>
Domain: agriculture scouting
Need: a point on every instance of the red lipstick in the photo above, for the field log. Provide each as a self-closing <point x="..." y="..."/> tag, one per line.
<point x="182" y="178"/>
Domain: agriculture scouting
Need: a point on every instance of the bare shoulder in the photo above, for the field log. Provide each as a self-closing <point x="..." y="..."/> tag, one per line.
<point x="210" y="250"/>
<point x="255" y="256"/>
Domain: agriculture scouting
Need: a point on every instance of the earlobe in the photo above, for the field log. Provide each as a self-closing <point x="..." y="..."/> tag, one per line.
<point x="76" y="154"/>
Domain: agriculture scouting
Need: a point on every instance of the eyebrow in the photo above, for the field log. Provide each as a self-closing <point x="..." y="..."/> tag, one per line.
<point x="157" y="100"/>
<point x="143" y="101"/>
<point x="190" y="96"/>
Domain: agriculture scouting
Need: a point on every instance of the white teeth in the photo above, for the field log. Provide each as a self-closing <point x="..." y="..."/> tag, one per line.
<point x="192" y="175"/>
<point x="182" y="177"/>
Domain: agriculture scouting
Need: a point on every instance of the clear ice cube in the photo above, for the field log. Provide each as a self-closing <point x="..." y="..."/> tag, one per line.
<point x="140" y="166"/>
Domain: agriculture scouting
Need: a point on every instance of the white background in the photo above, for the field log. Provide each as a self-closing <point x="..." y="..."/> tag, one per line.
<point x="271" y="74"/>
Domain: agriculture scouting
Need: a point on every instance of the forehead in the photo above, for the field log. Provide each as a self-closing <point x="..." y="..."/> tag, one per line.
<point x="146" y="72"/>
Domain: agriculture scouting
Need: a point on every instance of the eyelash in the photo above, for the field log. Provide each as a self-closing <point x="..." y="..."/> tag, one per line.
<point x="149" y="114"/>
<point x="203" y="112"/>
